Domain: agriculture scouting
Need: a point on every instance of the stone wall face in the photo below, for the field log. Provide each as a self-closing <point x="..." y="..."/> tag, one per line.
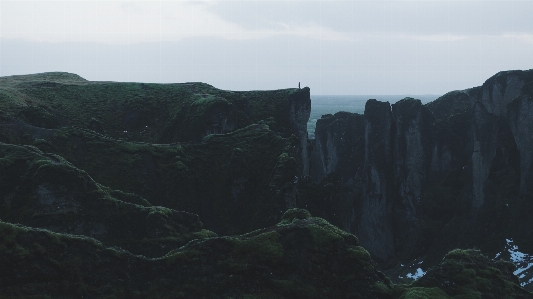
<point x="419" y="158"/>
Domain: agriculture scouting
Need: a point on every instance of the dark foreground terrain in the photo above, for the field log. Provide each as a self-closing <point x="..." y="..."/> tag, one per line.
<point x="131" y="190"/>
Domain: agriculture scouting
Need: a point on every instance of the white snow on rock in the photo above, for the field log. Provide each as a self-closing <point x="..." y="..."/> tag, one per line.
<point x="412" y="271"/>
<point x="522" y="261"/>
<point x="417" y="274"/>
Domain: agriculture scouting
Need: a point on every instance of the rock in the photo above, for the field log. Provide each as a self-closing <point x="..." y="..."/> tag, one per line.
<point x="432" y="171"/>
<point x="338" y="147"/>
<point x="45" y="191"/>
<point x="413" y="147"/>
<point x="410" y="180"/>
<point x="469" y="272"/>
<point x="206" y="127"/>
<point x="501" y="89"/>
<point x="520" y="115"/>
<point x="306" y="258"/>
<point x="299" y="112"/>
<point x="375" y="223"/>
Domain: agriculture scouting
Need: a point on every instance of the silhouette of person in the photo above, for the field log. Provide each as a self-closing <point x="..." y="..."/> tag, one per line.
<point x="298" y="85"/>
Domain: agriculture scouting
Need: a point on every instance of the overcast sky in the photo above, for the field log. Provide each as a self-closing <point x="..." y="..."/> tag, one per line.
<point x="334" y="47"/>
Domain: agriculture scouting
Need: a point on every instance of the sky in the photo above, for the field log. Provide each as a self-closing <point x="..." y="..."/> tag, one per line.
<point x="334" y="47"/>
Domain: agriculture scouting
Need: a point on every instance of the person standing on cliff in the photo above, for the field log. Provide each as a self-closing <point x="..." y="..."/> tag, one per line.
<point x="298" y="85"/>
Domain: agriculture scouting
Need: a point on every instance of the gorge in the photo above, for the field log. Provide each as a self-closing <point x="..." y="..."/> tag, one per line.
<point x="132" y="190"/>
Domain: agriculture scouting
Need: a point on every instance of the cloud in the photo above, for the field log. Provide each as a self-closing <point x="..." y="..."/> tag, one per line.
<point x="118" y="22"/>
<point x="126" y="22"/>
<point x="523" y="37"/>
<point x="439" y="37"/>
<point x="460" y="18"/>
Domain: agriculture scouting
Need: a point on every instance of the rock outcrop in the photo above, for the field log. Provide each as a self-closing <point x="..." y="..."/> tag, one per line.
<point x="374" y="225"/>
<point x="467" y="154"/>
<point x="469" y="272"/>
<point x="299" y="112"/>
<point x="45" y="191"/>
<point x="300" y="257"/>
<point x="230" y="157"/>
<point x="339" y="135"/>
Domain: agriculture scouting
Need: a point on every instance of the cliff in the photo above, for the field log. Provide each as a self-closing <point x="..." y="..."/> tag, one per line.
<point x="103" y="186"/>
<point x="230" y="157"/>
<point x="452" y="173"/>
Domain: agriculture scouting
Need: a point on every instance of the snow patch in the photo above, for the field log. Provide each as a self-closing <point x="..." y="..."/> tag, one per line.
<point x="522" y="261"/>
<point x="414" y="268"/>
<point x="417" y="274"/>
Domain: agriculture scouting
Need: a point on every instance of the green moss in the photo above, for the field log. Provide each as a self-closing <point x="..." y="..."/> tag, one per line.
<point x="265" y="246"/>
<point x="424" y="293"/>
<point x="469" y="274"/>
<point x="466" y="276"/>
<point x="292" y="215"/>
<point x="181" y="176"/>
<point x="325" y="233"/>
<point x="359" y="254"/>
<point x="40" y="163"/>
<point x="381" y="288"/>
<point x="203" y="234"/>
<point x="460" y="254"/>
<point x="166" y="212"/>
<point x="176" y="257"/>
<point x="8" y="234"/>
<point x="323" y="237"/>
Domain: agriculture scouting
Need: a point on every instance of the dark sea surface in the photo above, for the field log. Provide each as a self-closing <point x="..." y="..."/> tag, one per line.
<point x="324" y="104"/>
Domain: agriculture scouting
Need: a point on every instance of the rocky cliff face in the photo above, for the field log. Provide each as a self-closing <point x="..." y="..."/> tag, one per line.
<point x="339" y="135"/>
<point x="299" y="112"/>
<point x="230" y="157"/>
<point x="374" y="225"/>
<point x="107" y="183"/>
<point x="413" y="148"/>
<point x="425" y="165"/>
<point x="519" y="114"/>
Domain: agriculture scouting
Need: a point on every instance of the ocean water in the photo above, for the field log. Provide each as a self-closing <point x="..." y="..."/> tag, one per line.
<point x="324" y="104"/>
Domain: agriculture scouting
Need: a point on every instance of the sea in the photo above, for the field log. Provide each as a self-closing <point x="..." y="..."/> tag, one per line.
<point x="331" y="104"/>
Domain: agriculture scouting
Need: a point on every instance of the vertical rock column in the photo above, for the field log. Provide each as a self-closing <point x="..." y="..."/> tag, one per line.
<point x="409" y="153"/>
<point x="412" y="152"/>
<point x="299" y="112"/>
<point x="339" y="147"/>
<point x="375" y="224"/>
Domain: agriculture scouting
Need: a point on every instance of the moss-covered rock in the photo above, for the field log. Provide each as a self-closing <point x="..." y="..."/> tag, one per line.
<point x="469" y="274"/>
<point x="424" y="293"/>
<point x="236" y="163"/>
<point x="284" y="261"/>
<point x="45" y="191"/>
<point x="161" y="113"/>
<point x="292" y="215"/>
